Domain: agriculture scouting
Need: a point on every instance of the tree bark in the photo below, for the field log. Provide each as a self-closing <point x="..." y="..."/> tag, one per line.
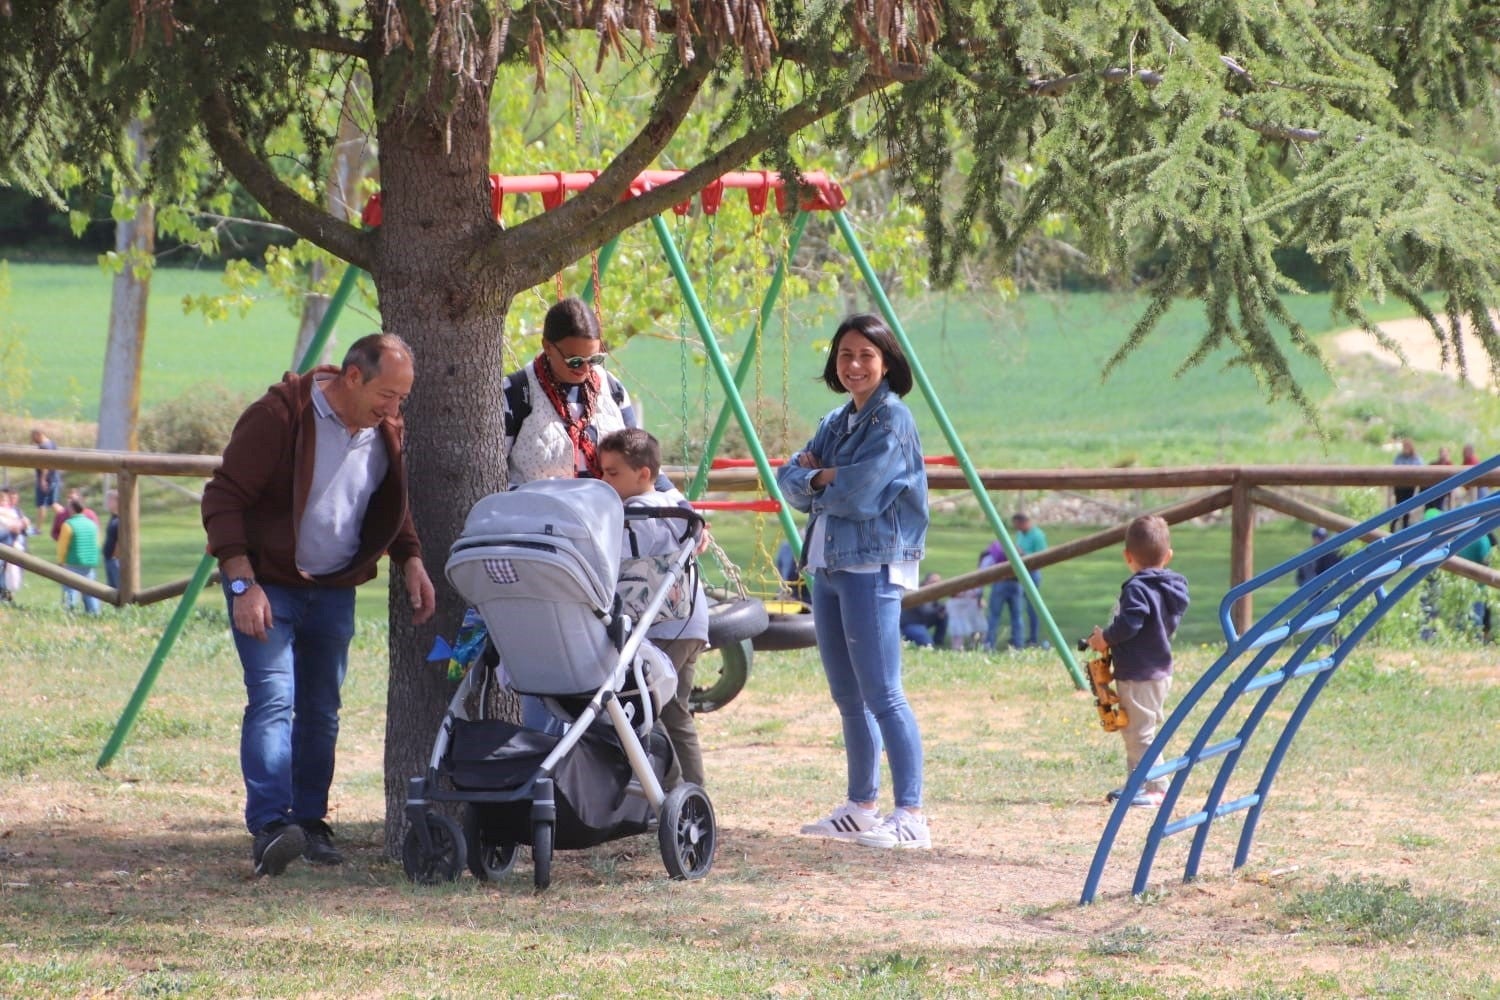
<point x="350" y="163"/>
<point x="135" y="242"/>
<point x="435" y="292"/>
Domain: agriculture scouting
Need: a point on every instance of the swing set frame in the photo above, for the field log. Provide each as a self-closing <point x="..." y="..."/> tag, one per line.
<point x="816" y="192"/>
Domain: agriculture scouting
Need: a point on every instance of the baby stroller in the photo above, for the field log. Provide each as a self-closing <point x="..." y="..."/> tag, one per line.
<point x="540" y="563"/>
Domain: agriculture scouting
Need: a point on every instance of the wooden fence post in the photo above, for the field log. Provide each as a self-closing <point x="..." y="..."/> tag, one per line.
<point x="1242" y="549"/>
<point x="128" y="543"/>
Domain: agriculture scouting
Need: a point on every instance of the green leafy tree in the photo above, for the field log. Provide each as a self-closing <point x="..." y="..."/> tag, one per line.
<point x="1208" y="135"/>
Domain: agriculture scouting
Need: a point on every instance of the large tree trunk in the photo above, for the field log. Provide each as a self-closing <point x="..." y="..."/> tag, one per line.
<point x="435" y="293"/>
<point x="135" y="242"/>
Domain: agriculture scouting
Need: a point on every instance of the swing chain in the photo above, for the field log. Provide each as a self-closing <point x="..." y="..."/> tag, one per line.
<point x="730" y="570"/>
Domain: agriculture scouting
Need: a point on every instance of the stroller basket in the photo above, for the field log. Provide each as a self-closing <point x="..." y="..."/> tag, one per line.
<point x="590" y="785"/>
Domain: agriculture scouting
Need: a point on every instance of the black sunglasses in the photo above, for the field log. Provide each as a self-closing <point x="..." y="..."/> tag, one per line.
<point x="576" y="362"/>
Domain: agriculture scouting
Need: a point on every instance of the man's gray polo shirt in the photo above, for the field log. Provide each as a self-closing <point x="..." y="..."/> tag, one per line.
<point x="347" y="469"/>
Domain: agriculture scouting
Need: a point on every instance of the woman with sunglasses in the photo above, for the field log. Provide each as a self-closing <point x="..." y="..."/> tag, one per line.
<point x="563" y="402"/>
<point x="557" y="409"/>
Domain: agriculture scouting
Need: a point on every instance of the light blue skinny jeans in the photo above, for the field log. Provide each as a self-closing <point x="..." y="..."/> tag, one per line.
<point x="292" y="683"/>
<point x="857" y="617"/>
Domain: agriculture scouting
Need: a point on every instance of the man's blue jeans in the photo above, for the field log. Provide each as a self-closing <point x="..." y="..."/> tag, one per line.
<point x="857" y="617"/>
<point x="292" y="682"/>
<point x="70" y="596"/>
<point x="1007" y="595"/>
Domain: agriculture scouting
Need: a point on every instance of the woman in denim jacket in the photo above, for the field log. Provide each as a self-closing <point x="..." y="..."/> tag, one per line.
<point x="863" y="481"/>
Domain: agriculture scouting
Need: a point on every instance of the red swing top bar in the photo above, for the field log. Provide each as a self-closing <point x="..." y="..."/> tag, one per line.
<point x="820" y="193"/>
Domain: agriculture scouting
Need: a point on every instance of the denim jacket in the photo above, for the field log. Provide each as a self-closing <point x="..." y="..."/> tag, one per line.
<point x="877" y="504"/>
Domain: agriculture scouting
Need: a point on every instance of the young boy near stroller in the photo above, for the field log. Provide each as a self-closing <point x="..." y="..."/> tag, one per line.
<point x="1139" y="638"/>
<point x="630" y="461"/>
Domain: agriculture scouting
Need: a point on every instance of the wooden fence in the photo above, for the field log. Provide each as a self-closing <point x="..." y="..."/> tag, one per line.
<point x="1239" y="488"/>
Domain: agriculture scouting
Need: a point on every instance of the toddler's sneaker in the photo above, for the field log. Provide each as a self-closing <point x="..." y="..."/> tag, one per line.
<point x="900" y="831"/>
<point x="846" y="822"/>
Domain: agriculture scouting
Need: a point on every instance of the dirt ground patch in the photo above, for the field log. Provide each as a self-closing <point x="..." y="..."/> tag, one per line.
<point x="1422" y="350"/>
<point x="1016" y="804"/>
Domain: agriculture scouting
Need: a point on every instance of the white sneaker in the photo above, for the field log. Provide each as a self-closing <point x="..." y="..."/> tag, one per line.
<point x="901" y="830"/>
<point x="847" y="822"/>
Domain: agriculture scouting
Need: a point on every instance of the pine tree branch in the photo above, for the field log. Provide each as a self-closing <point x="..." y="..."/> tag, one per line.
<point x="281" y="202"/>
<point x="319" y="41"/>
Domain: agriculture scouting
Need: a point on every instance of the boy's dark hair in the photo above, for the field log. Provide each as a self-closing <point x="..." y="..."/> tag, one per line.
<point x="1148" y="539"/>
<point x="75" y="505"/>
<point x="570" y="317"/>
<point x="639" y="448"/>
<point x="873" y="329"/>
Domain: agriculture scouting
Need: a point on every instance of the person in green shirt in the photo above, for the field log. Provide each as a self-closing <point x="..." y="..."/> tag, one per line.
<point x="1030" y="539"/>
<point x="78" y="550"/>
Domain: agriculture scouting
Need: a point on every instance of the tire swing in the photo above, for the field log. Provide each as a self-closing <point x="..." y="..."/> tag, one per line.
<point x="789" y="625"/>
<point x="734" y="621"/>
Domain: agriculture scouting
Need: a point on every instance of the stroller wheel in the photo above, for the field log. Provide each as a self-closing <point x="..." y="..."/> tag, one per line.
<point x="734" y="670"/>
<point x="490" y="858"/>
<point x="687" y="832"/>
<point x="442" y="860"/>
<point x="541" y="854"/>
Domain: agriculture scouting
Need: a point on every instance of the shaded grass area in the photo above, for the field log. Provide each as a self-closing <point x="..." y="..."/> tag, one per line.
<point x="135" y="881"/>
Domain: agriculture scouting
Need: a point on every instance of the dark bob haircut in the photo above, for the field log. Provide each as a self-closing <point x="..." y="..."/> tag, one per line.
<point x="570" y="317"/>
<point x="873" y="329"/>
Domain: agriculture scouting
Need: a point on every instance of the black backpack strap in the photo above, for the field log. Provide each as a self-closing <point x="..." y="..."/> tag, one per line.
<point x="517" y="393"/>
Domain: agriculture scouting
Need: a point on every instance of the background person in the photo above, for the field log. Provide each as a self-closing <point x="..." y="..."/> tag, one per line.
<point x="1311" y="570"/>
<point x="926" y="624"/>
<point x="61" y="511"/>
<point x="48" y="482"/>
<point x="1405" y="455"/>
<point x="78" y="550"/>
<point x="310" y="494"/>
<point x="112" y="539"/>
<point x="14" y="527"/>
<point x="1003" y="599"/>
<point x="1029" y="539"/>
<point x="863" y="480"/>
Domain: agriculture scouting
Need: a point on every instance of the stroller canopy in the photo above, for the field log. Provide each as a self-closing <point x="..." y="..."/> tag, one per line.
<point x="580" y="519"/>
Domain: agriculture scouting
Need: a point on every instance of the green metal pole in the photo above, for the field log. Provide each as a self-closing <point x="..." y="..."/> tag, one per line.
<point x="206" y="564"/>
<point x="1064" y="651"/>
<point x="747" y="359"/>
<point x="606" y="254"/>
<point x="721" y="369"/>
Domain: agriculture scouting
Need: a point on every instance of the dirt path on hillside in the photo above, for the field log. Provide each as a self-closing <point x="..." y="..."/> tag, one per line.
<point x="1422" y="350"/>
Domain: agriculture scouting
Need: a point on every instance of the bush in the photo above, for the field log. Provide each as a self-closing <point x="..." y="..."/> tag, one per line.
<point x="197" y="422"/>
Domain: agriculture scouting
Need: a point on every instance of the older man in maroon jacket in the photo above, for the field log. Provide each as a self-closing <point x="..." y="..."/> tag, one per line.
<point x="311" y="493"/>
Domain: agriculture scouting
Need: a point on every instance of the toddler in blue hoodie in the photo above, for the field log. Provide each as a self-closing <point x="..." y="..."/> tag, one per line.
<point x="1139" y="638"/>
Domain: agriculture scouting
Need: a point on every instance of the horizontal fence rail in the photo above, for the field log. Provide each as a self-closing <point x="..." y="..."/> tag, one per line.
<point x="1240" y="488"/>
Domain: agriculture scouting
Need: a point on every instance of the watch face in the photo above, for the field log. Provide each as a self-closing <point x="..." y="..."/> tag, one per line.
<point x="238" y="587"/>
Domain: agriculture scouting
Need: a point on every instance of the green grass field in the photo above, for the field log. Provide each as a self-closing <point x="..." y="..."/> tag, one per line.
<point x="1019" y="382"/>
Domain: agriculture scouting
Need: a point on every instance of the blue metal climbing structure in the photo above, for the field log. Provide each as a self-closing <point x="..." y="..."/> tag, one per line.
<point x="1304" y="638"/>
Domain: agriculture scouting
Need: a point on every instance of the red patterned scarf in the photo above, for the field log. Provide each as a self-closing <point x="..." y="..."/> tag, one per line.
<point x="577" y="427"/>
